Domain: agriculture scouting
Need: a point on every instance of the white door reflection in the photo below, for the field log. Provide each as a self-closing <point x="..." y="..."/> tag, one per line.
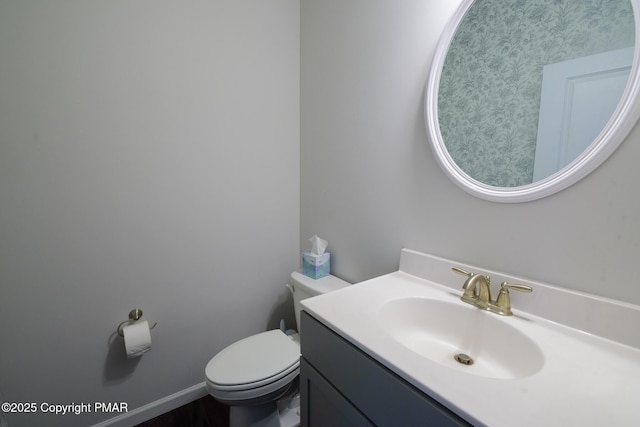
<point x="578" y="98"/>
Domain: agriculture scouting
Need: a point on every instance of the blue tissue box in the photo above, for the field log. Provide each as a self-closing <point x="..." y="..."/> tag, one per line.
<point x="316" y="266"/>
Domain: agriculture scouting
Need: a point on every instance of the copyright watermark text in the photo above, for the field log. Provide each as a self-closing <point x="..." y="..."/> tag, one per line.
<point x="63" y="408"/>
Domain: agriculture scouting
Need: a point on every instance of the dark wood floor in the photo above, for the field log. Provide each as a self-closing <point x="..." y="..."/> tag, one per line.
<point x="204" y="412"/>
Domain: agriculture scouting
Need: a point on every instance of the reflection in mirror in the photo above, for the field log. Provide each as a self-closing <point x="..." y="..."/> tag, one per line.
<point x="491" y="83"/>
<point x="578" y="97"/>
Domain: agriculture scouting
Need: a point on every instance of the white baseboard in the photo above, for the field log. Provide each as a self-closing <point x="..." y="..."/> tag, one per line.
<point x="158" y="407"/>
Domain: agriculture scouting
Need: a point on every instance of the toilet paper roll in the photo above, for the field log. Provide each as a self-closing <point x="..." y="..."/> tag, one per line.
<point x="137" y="339"/>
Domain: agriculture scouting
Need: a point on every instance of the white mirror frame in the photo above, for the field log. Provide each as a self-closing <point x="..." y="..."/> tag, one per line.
<point x="616" y="130"/>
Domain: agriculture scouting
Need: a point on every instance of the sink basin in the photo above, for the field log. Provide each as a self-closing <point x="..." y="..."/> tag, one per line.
<point x="461" y="337"/>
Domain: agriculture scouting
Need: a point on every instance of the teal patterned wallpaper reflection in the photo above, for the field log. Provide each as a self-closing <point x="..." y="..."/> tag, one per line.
<point x="489" y="93"/>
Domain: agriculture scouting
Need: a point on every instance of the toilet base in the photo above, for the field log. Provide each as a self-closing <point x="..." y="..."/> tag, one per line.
<point x="285" y="412"/>
<point x="265" y="415"/>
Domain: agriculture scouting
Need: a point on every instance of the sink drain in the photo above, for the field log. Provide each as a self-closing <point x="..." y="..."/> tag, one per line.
<point x="463" y="358"/>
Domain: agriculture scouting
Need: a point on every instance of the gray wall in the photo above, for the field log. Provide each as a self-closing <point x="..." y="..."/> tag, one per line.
<point x="370" y="184"/>
<point x="149" y="157"/>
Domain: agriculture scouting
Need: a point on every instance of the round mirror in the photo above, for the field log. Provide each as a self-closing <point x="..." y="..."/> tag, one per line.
<point x="526" y="98"/>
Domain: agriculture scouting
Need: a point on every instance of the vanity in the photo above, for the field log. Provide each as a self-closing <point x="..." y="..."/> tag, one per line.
<point x="386" y="352"/>
<point x="413" y="348"/>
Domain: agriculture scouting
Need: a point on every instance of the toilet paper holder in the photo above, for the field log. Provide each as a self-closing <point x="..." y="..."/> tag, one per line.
<point x="134" y="316"/>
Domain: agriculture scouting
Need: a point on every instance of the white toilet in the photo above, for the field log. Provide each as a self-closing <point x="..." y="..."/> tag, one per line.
<point x="253" y="374"/>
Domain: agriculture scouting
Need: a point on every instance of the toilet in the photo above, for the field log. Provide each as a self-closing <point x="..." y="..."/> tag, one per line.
<point x="257" y="376"/>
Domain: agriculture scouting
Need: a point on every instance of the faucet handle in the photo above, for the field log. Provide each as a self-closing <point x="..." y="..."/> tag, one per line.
<point x="472" y="292"/>
<point x="461" y="271"/>
<point x="468" y="292"/>
<point x="503" y="302"/>
<point x="521" y="288"/>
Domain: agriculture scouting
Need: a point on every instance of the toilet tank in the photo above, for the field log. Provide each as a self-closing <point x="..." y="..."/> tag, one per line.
<point x="302" y="287"/>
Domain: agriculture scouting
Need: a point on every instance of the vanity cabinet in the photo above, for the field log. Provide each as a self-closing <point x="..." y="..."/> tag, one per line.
<point x="340" y="385"/>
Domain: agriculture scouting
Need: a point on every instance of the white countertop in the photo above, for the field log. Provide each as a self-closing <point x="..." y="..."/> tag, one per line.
<point x="586" y="380"/>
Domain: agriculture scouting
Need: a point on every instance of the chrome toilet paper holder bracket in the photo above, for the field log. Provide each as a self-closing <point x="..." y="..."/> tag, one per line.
<point x="134" y="316"/>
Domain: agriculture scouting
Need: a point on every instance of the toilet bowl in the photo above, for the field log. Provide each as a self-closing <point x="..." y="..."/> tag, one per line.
<point x="253" y="374"/>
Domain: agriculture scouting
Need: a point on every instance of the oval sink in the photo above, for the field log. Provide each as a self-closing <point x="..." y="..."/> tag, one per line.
<point x="461" y="337"/>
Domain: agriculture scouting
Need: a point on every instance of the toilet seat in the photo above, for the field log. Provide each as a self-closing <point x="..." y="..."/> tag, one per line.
<point x="254" y="366"/>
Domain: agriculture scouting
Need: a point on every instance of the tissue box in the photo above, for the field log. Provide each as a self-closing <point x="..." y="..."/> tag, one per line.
<point x="316" y="266"/>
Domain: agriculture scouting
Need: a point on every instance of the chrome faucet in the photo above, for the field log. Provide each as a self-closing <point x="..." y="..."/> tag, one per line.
<point x="477" y="292"/>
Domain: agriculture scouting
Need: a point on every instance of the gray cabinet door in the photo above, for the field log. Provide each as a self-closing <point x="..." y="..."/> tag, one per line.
<point x="345" y="379"/>
<point x="322" y="405"/>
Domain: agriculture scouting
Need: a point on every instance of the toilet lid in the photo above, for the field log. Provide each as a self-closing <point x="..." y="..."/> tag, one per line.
<point x="255" y="359"/>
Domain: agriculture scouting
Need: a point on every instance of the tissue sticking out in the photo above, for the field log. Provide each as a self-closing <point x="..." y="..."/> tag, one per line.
<point x="316" y="263"/>
<point x="318" y="245"/>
